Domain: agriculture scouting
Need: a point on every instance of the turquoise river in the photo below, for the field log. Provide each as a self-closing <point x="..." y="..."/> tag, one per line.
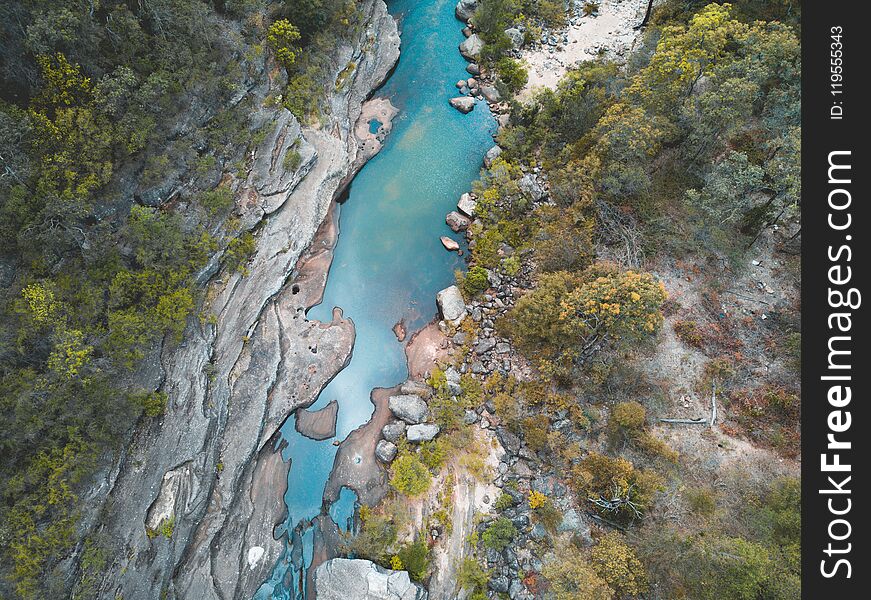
<point x="389" y="263"/>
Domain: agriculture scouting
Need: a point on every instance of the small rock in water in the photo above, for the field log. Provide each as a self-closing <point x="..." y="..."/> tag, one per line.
<point x="449" y="244"/>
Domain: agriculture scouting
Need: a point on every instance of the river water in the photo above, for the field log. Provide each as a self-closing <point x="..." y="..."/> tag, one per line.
<point x="389" y="263"/>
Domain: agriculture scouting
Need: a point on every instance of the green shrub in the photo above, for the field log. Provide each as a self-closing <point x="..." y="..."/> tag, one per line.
<point x="472" y="576"/>
<point x="415" y="558"/>
<point x="475" y="281"/>
<point x="499" y="534"/>
<point x="409" y="475"/>
<point x="216" y="200"/>
<point x="153" y="403"/>
<point x="239" y="250"/>
<point x="503" y="502"/>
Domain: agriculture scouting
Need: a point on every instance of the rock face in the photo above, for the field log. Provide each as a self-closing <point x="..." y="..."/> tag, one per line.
<point x="409" y="408"/>
<point x="452" y="307"/>
<point x="471" y="47"/>
<point x="464" y="104"/>
<point x="465" y="9"/>
<point x="231" y="385"/>
<point x="346" y="579"/>
<point x="422" y="433"/>
<point x="318" y="424"/>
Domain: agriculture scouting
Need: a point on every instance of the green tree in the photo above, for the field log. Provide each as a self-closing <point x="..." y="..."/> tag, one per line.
<point x="512" y="74"/>
<point x="282" y="37"/>
<point x="569" y="318"/>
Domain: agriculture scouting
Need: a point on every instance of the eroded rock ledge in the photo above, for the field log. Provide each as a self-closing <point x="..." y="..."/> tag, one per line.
<point x="318" y="424"/>
<point x="212" y="467"/>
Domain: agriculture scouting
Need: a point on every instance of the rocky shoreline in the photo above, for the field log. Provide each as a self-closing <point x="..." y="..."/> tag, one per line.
<point x="402" y="415"/>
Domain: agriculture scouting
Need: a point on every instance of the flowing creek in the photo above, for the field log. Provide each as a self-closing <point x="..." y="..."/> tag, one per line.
<point x="389" y="263"/>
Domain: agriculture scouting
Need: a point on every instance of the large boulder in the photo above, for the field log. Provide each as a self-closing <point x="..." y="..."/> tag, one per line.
<point x="393" y="431"/>
<point x="471" y="47"/>
<point x="386" y="451"/>
<point x="467" y="205"/>
<point x="492" y="154"/>
<point x="465" y="9"/>
<point x="574" y="523"/>
<point x="422" y="433"/>
<point x="516" y="37"/>
<point x="457" y="222"/>
<point x="345" y="579"/>
<point x="464" y="104"/>
<point x="452" y="307"/>
<point x="529" y="185"/>
<point x="484" y="346"/>
<point x="409" y="408"/>
<point x="490" y="93"/>
<point x="415" y="387"/>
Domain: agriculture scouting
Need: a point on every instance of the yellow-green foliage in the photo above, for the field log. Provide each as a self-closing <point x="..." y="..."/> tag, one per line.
<point x="569" y="318"/>
<point x="239" y="250"/>
<point x="536" y="499"/>
<point x="616" y="562"/>
<point x="375" y="538"/>
<point x="409" y="475"/>
<point x="572" y="578"/>
<point x="282" y="38"/>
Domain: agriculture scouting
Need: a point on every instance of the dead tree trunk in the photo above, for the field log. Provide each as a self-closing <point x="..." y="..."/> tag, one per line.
<point x="646" y="15"/>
